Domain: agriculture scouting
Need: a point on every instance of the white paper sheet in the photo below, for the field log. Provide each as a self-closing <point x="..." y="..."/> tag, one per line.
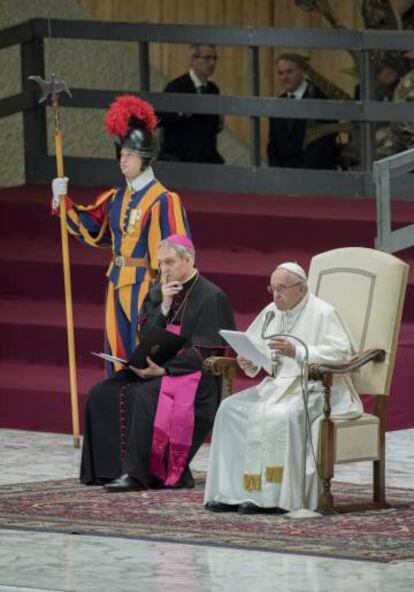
<point x="109" y="358"/>
<point x="245" y="347"/>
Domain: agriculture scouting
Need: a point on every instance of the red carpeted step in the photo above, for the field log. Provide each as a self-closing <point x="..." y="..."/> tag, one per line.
<point x="239" y="239"/>
<point x="37" y="397"/>
<point x="35" y="332"/>
<point x="243" y="275"/>
<point x="238" y="220"/>
<point x="38" y="260"/>
<point x="326" y="208"/>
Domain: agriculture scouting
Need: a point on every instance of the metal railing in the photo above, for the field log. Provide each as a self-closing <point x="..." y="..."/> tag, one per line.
<point x="384" y="170"/>
<point x="39" y="165"/>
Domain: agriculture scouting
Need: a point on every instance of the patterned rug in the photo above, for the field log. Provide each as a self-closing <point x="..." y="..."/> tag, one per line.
<point x="178" y="516"/>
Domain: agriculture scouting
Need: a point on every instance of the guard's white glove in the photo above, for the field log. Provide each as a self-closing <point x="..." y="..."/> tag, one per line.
<point x="59" y="188"/>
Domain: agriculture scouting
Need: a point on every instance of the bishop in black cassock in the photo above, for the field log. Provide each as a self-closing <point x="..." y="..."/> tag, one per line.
<point x="143" y="427"/>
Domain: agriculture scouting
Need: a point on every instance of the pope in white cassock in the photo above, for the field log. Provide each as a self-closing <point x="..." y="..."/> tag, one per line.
<point x="255" y="462"/>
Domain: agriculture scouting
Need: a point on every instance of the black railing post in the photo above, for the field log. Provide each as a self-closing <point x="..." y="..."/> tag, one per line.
<point x="367" y="92"/>
<point x="144" y="66"/>
<point x="253" y="77"/>
<point x="34" y="119"/>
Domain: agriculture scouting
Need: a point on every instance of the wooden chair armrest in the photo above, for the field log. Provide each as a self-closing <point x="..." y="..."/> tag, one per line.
<point x="318" y="371"/>
<point x="224" y="367"/>
<point x="220" y="365"/>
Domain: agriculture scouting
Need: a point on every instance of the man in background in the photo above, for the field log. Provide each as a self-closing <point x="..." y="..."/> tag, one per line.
<point x="286" y="146"/>
<point x="192" y="137"/>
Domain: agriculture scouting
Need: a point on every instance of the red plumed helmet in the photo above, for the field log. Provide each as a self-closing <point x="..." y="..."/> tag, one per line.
<point x="133" y="121"/>
<point x="119" y="119"/>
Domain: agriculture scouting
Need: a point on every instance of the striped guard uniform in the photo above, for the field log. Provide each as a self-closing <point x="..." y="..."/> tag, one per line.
<point x="132" y="222"/>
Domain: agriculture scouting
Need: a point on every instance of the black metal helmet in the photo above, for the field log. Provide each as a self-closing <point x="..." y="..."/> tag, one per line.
<point x="134" y="121"/>
<point x="139" y="140"/>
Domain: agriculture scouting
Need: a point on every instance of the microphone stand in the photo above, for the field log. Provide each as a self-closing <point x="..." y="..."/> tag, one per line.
<point x="303" y="511"/>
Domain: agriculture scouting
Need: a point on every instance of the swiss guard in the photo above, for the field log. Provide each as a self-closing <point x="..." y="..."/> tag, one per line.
<point x="131" y="220"/>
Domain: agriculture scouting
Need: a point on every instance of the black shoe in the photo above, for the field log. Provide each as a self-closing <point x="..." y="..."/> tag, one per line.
<point x="123" y="484"/>
<point x="186" y="481"/>
<point x="183" y="484"/>
<point x="220" y="507"/>
<point x="98" y="481"/>
<point x="251" y="508"/>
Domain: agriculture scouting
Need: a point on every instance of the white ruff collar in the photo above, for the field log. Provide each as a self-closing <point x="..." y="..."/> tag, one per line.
<point x="142" y="180"/>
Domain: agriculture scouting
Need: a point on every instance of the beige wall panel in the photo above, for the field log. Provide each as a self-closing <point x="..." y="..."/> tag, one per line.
<point x="199" y="12"/>
<point x="231" y="74"/>
<point x="215" y="12"/>
<point x="155" y="15"/>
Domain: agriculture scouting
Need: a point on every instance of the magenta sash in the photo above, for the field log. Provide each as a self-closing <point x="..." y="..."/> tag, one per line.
<point x="173" y="424"/>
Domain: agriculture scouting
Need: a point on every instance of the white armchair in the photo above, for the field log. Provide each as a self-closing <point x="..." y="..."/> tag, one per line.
<point x="367" y="287"/>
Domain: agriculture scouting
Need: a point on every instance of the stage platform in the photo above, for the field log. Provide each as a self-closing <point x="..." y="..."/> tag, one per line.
<point x="239" y="240"/>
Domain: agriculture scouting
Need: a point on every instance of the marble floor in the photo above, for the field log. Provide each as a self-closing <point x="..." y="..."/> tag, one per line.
<point x="35" y="561"/>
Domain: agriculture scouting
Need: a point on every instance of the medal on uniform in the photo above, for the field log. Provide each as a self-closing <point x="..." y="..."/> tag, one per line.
<point x="134" y="218"/>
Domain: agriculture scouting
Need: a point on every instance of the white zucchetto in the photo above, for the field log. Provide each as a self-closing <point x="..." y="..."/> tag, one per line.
<point x="293" y="268"/>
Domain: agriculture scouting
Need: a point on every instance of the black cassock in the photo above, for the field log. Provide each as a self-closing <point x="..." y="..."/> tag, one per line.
<point x="120" y="411"/>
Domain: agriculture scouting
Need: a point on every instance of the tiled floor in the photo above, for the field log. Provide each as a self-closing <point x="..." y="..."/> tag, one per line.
<point x="34" y="561"/>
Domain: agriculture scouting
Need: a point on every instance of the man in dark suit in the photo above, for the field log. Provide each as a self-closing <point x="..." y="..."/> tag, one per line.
<point x="193" y="137"/>
<point x="286" y="146"/>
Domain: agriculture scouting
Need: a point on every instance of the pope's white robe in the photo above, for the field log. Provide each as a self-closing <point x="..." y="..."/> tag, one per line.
<point x="257" y="445"/>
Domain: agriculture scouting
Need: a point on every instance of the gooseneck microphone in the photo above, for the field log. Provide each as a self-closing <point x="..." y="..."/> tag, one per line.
<point x="270" y="315"/>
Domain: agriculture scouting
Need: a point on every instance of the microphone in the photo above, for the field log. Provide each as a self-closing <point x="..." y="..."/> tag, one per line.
<point x="300" y="341"/>
<point x="274" y="359"/>
<point x="270" y="315"/>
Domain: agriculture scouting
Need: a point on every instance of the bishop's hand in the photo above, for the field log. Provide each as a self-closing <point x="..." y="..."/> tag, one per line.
<point x="168" y="290"/>
<point x="151" y="371"/>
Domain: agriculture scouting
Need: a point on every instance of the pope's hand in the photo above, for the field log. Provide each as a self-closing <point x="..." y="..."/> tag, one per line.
<point x="282" y="347"/>
<point x="245" y="364"/>
<point x="59" y="188"/>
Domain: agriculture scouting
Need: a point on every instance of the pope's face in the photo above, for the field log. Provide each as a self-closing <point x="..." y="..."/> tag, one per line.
<point x="287" y="289"/>
<point x="173" y="267"/>
<point x="130" y="163"/>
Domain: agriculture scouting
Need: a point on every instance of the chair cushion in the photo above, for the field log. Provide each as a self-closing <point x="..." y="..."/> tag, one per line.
<point x="356" y="439"/>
